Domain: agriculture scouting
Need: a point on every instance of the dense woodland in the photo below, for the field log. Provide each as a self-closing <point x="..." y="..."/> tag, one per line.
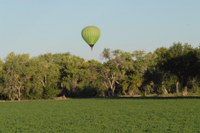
<point x="173" y="71"/>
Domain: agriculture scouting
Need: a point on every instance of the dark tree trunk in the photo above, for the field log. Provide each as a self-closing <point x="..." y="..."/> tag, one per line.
<point x="185" y="91"/>
<point x="113" y="91"/>
<point x="19" y="93"/>
<point x="165" y="92"/>
<point x="177" y="85"/>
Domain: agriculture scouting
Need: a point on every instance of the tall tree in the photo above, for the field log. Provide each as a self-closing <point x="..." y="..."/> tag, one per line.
<point x="14" y="75"/>
<point x="49" y="75"/>
<point x="181" y="60"/>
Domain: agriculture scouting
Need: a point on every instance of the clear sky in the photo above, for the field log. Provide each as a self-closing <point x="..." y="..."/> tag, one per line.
<point x="40" y="26"/>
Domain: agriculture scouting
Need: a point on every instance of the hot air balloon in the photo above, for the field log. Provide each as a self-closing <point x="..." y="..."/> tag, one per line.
<point x="91" y="35"/>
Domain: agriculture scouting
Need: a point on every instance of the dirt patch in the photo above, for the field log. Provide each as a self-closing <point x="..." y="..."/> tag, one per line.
<point x="61" y="98"/>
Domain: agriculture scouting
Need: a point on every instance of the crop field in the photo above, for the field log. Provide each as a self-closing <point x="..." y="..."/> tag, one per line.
<point x="101" y="116"/>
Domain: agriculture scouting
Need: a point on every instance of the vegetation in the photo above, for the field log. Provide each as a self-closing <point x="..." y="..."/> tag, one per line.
<point x="166" y="71"/>
<point x="101" y="115"/>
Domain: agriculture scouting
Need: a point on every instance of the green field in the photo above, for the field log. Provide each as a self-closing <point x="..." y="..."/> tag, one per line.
<point x="101" y="115"/>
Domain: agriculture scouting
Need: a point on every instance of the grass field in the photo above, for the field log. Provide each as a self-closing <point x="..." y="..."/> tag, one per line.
<point x="101" y="115"/>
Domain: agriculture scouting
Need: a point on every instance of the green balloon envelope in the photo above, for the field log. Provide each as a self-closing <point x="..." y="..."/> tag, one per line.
<point x="91" y="35"/>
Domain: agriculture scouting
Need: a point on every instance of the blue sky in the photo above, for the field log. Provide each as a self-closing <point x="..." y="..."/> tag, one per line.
<point x="40" y="26"/>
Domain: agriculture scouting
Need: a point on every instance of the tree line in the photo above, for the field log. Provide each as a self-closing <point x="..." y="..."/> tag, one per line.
<point x="166" y="71"/>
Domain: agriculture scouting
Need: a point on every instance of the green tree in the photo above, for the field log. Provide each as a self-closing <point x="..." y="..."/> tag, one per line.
<point x="49" y="75"/>
<point x="1" y="80"/>
<point x="14" y="75"/>
<point x="182" y="61"/>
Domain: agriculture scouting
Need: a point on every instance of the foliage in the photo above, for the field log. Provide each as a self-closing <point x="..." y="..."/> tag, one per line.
<point x="166" y="71"/>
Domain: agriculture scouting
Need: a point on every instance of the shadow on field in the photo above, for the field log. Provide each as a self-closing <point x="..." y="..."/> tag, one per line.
<point x="159" y="97"/>
<point x="143" y="97"/>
